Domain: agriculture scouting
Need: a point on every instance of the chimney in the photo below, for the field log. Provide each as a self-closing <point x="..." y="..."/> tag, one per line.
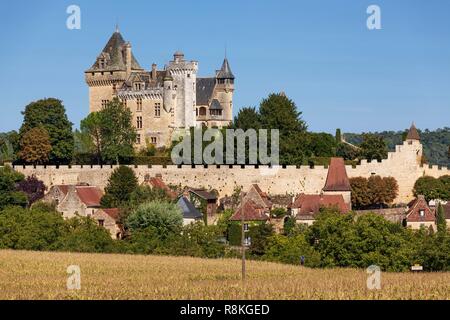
<point x="154" y="71"/>
<point x="128" y="58"/>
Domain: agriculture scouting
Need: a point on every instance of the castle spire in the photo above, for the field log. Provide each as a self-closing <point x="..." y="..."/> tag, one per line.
<point x="225" y="71"/>
<point x="413" y="134"/>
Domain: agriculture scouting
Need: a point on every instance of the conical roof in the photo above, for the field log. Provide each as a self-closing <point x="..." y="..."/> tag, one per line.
<point x="225" y="71"/>
<point x="413" y="134"/>
<point x="114" y="55"/>
<point x="337" y="179"/>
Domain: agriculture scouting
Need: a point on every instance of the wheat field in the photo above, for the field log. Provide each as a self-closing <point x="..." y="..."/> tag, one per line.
<point x="43" y="275"/>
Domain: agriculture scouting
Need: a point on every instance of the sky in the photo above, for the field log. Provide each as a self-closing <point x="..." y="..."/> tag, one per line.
<point x="320" y="53"/>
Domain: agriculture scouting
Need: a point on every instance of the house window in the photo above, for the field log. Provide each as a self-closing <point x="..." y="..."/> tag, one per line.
<point x="139" y="104"/>
<point x="153" y="140"/>
<point x="104" y="103"/>
<point x="157" y="110"/>
<point x="139" y="122"/>
<point x="215" y="112"/>
<point x="422" y="213"/>
<point x="247" y="241"/>
<point x="101" y="222"/>
<point x="138" y="139"/>
<point x="246" y="227"/>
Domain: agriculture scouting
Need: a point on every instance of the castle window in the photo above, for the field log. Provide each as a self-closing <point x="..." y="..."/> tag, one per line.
<point x="196" y="112"/>
<point x="104" y="103"/>
<point x="139" y="122"/>
<point x="138" y="86"/>
<point x="188" y="75"/>
<point x="153" y="140"/>
<point x="157" y="110"/>
<point x="138" y="139"/>
<point x="139" y="104"/>
<point x="215" y="112"/>
<point x="125" y="102"/>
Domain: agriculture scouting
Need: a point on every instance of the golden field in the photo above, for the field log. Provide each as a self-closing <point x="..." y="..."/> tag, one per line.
<point x="43" y="275"/>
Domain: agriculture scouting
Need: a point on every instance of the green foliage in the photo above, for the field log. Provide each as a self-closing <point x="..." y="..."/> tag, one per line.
<point x="278" y="212"/>
<point x="322" y="144"/>
<point x="144" y="194"/>
<point x="373" y="147"/>
<point x="121" y="184"/>
<point x="234" y="233"/>
<point x="117" y="133"/>
<point x="85" y="235"/>
<point x="35" y="146"/>
<point x="338" y="136"/>
<point x="51" y="115"/>
<point x="9" y="146"/>
<point x="279" y="112"/>
<point x="9" y="195"/>
<point x="432" y="188"/>
<point x="347" y="152"/>
<point x="247" y="118"/>
<point x="165" y="217"/>
<point x="223" y="223"/>
<point x="259" y="236"/>
<point x="33" y="229"/>
<point x="440" y="219"/>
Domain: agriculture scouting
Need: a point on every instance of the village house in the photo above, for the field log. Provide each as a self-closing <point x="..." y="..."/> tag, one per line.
<point x="190" y="213"/>
<point x="158" y="183"/>
<point x="109" y="219"/>
<point x="335" y="194"/>
<point x="204" y="200"/>
<point x="420" y="215"/>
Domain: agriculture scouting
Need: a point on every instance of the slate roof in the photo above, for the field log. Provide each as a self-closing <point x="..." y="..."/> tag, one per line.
<point x="114" y="55"/>
<point x="204" y="90"/>
<point x="309" y="205"/>
<point x="215" y="105"/>
<point x="251" y="212"/>
<point x="225" y="71"/>
<point x="413" y="134"/>
<point x="337" y="179"/>
<point x="188" y="209"/>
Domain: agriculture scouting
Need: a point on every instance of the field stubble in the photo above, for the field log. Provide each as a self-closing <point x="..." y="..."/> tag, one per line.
<point x="42" y="275"/>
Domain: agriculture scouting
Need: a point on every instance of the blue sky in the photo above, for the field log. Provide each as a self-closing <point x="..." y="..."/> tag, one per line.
<point x="320" y="53"/>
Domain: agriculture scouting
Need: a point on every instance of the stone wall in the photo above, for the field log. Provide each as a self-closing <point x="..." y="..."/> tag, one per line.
<point x="403" y="165"/>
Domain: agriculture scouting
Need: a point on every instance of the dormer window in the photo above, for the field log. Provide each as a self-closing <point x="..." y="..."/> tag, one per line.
<point x="138" y="86"/>
<point x="101" y="63"/>
<point x="422" y="213"/>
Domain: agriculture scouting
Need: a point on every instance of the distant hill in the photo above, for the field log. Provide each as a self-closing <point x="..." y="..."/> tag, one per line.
<point x="436" y="143"/>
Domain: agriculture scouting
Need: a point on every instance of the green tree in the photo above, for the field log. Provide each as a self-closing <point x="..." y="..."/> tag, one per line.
<point x="247" y="118"/>
<point x="51" y="114"/>
<point x="445" y="194"/>
<point x="440" y="219"/>
<point x="431" y="188"/>
<point x="91" y="127"/>
<point x="373" y="147"/>
<point x="338" y="136"/>
<point x="360" y="192"/>
<point x="117" y="133"/>
<point x="144" y="194"/>
<point x="9" y="195"/>
<point x="259" y="236"/>
<point x="121" y="184"/>
<point x="346" y="151"/>
<point x="165" y="217"/>
<point x="322" y="144"/>
<point x="279" y="112"/>
<point x="35" y="146"/>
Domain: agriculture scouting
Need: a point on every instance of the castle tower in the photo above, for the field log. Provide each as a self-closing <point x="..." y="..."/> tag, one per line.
<point x="337" y="181"/>
<point x="184" y="74"/>
<point x="111" y="69"/>
<point x="225" y="89"/>
<point x="413" y="142"/>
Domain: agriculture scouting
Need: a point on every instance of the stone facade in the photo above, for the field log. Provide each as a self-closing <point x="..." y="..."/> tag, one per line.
<point x="160" y="100"/>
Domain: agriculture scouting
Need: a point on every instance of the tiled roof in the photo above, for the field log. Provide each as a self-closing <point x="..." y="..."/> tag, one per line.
<point x="188" y="209"/>
<point x="114" y="56"/>
<point x="90" y="196"/>
<point x="263" y="195"/>
<point x="310" y="204"/>
<point x="413" y="134"/>
<point x="250" y="211"/>
<point x="156" y="182"/>
<point x="112" y="212"/>
<point x="414" y="208"/>
<point x="337" y="179"/>
<point x="204" y="90"/>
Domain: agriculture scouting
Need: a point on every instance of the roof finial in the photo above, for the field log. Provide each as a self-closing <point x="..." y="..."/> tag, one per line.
<point x="117" y="25"/>
<point x="225" y="50"/>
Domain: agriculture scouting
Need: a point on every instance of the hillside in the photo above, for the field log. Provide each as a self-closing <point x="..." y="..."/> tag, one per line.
<point x="436" y="143"/>
<point x="39" y="275"/>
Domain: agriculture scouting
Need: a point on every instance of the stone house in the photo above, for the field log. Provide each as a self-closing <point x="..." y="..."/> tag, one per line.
<point x="258" y="197"/>
<point x="252" y="214"/>
<point x="109" y="219"/>
<point x="419" y="214"/>
<point x="73" y="200"/>
<point x="157" y="182"/>
<point x="200" y="198"/>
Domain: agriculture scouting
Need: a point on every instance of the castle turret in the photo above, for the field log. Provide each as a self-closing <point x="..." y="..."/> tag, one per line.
<point x="337" y="182"/>
<point x="412" y="142"/>
<point x="169" y="93"/>
<point x="225" y="89"/>
<point x="111" y="69"/>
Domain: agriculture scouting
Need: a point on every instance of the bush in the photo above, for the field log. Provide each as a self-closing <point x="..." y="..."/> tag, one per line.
<point x="432" y="188"/>
<point x="165" y="217"/>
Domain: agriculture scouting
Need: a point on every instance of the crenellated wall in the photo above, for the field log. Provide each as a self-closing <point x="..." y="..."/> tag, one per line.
<point x="403" y="165"/>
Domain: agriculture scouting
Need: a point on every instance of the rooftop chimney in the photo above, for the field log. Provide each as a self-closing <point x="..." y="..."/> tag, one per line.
<point x="154" y="71"/>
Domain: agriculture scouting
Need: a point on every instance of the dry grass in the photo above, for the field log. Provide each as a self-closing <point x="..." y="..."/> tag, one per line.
<point x="38" y="275"/>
